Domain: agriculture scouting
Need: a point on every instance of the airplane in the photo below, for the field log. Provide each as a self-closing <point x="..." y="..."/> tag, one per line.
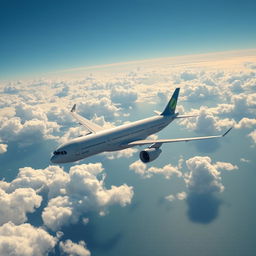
<point x="99" y="140"/>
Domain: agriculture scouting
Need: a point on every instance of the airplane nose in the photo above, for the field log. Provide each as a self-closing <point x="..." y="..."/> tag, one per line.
<point x="54" y="159"/>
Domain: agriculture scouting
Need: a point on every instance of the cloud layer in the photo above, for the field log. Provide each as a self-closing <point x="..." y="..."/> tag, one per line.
<point x="25" y="240"/>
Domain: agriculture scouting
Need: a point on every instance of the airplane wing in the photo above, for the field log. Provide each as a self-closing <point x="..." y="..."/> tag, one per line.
<point x="90" y="126"/>
<point x="158" y="143"/>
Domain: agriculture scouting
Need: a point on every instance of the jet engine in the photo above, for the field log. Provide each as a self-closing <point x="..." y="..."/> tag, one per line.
<point x="149" y="154"/>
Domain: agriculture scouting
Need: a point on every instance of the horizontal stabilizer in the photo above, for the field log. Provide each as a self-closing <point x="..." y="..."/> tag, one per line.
<point x="157" y="112"/>
<point x="186" y="116"/>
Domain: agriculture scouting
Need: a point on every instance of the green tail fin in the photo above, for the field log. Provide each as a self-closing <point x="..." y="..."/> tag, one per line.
<point x="170" y="108"/>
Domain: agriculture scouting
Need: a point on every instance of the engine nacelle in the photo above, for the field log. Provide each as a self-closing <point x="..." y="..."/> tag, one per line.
<point x="149" y="154"/>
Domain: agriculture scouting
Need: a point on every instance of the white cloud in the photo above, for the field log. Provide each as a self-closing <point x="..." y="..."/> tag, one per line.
<point x="188" y="75"/>
<point x="126" y="153"/>
<point x="74" y="249"/>
<point x="52" y="180"/>
<point x="59" y="114"/>
<point x="36" y="117"/>
<point x="206" y="122"/>
<point x="199" y="91"/>
<point x="204" y="177"/>
<point x="84" y="193"/>
<point x="29" y="132"/>
<point x="139" y="168"/>
<point x="125" y="97"/>
<point x="181" y="195"/>
<point x="243" y="104"/>
<point x="244" y="160"/>
<point x="246" y="123"/>
<point x="225" y="166"/>
<point x="100" y="107"/>
<point x="58" y="212"/>
<point x="170" y="198"/>
<point x="73" y="132"/>
<point x="178" y="196"/>
<point x="15" y="205"/>
<point x="26" y="112"/>
<point x="167" y="171"/>
<point x="71" y="194"/>
<point x="25" y="240"/>
<point x="3" y="148"/>
<point x="253" y="136"/>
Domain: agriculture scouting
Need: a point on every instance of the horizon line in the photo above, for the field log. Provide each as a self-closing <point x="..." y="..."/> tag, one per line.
<point x="109" y="65"/>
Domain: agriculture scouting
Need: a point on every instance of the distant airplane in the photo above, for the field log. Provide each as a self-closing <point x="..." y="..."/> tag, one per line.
<point x="99" y="140"/>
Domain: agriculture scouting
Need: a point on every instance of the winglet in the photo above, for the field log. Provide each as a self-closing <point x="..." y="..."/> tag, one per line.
<point x="73" y="108"/>
<point x="170" y="108"/>
<point x="227" y="132"/>
<point x="157" y="112"/>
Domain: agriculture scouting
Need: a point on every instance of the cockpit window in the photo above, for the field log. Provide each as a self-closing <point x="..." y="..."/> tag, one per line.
<point x="60" y="152"/>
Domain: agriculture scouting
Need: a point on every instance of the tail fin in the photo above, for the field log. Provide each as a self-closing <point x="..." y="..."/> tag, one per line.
<point x="170" y="108"/>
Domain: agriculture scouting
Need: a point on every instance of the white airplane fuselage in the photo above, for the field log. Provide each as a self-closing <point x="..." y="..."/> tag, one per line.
<point x="111" y="139"/>
<point x="124" y="136"/>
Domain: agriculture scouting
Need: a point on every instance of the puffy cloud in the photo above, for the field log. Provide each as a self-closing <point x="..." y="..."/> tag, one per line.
<point x="181" y="195"/>
<point x="178" y="196"/>
<point x="74" y="249"/>
<point x="3" y="148"/>
<point x="206" y="122"/>
<point x="126" y="153"/>
<point x="63" y="92"/>
<point x="25" y="240"/>
<point x="246" y="123"/>
<point x="29" y="132"/>
<point x="60" y="115"/>
<point x="243" y="104"/>
<point x="52" y="180"/>
<point x="251" y="65"/>
<point x="203" y="182"/>
<point x="139" y="168"/>
<point x="58" y="212"/>
<point x="26" y="112"/>
<point x="11" y="90"/>
<point x="101" y="107"/>
<point x="163" y="95"/>
<point x="225" y="166"/>
<point x="83" y="193"/>
<point x="170" y="198"/>
<point x="253" y="135"/>
<point x="15" y="205"/>
<point x="167" y="171"/>
<point x="72" y="133"/>
<point x="244" y="160"/>
<point x="125" y="97"/>
<point x="100" y="120"/>
<point x="187" y="76"/>
<point x="199" y="92"/>
<point x="71" y="195"/>
<point x="203" y="177"/>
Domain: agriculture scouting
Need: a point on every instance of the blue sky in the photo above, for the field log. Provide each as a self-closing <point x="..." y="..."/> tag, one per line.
<point x="43" y="36"/>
